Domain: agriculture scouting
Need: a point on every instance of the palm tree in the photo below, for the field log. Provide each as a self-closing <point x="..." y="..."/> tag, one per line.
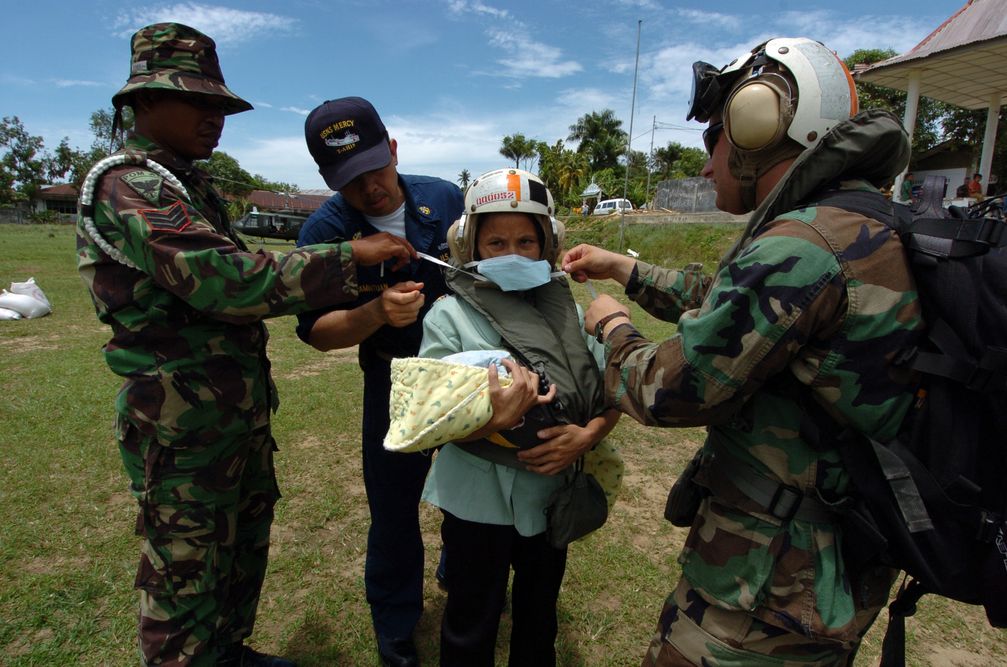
<point x="571" y="169"/>
<point x="517" y="148"/>
<point x="601" y="137"/>
<point x="463" y="178"/>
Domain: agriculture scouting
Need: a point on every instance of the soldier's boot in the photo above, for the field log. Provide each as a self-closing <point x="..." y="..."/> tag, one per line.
<point x="239" y="655"/>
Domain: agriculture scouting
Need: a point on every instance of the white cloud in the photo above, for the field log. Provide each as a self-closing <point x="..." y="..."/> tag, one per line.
<point x="642" y="4"/>
<point x="524" y="56"/>
<point x="227" y="26"/>
<point x="527" y="58"/>
<point x="859" y="32"/>
<point x="298" y="110"/>
<point x="710" y="19"/>
<point x="437" y="145"/>
<point x="465" y="7"/>
<point x="16" y="80"/>
<point x="283" y="159"/>
<point x="73" y="83"/>
<point x="262" y="105"/>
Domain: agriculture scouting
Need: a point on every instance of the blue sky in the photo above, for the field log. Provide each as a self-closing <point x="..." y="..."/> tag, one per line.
<point x="450" y="78"/>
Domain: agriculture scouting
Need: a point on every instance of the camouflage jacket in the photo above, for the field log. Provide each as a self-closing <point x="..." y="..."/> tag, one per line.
<point x="187" y="332"/>
<point x="815" y="293"/>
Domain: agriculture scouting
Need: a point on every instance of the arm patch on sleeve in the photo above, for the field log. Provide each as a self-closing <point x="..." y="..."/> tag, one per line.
<point x="145" y="183"/>
<point x="174" y="218"/>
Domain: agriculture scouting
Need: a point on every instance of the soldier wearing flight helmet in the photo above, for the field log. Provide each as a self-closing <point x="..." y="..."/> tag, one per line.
<point x="809" y="308"/>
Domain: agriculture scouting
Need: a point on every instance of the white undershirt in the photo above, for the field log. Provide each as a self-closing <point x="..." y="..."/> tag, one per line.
<point x="393" y="223"/>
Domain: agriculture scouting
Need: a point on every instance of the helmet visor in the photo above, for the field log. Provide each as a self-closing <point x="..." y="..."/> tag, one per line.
<point x="708" y="91"/>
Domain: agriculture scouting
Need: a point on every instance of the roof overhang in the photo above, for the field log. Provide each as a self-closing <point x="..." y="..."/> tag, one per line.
<point x="950" y="76"/>
<point x="963" y="62"/>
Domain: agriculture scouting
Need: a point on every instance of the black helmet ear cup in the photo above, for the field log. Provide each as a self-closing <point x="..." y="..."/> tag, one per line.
<point x="758" y="113"/>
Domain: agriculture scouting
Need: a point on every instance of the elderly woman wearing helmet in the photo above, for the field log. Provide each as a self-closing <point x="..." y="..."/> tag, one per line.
<point x="506" y="296"/>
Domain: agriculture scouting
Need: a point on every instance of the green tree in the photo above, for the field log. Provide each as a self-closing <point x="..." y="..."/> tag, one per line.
<point x="929" y="115"/>
<point x="564" y="171"/>
<point x="601" y="137"/>
<point x="517" y="147"/>
<point x="71" y="164"/>
<point x="690" y="163"/>
<point x="101" y="128"/>
<point x="663" y="161"/>
<point x="610" y="180"/>
<point x="262" y="183"/>
<point x="228" y="175"/>
<point x="23" y="166"/>
<point x="463" y="178"/>
<point x="572" y="171"/>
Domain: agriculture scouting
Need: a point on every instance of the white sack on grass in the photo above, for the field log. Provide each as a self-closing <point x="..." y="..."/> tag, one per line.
<point x="31" y="288"/>
<point x="8" y="314"/>
<point x="27" y="299"/>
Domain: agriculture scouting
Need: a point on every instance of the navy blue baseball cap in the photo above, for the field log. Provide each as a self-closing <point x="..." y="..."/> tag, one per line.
<point x="346" y="138"/>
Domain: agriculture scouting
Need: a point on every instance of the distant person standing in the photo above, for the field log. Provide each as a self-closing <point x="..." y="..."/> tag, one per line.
<point x="963" y="189"/>
<point x="976" y="187"/>
<point x="357" y="158"/>
<point x="185" y="300"/>
<point x="906" y="193"/>
<point x="585" y="209"/>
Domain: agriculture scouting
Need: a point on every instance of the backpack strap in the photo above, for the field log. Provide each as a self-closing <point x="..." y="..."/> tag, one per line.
<point x="932" y="239"/>
<point x="893" y="648"/>
<point x="936" y="237"/>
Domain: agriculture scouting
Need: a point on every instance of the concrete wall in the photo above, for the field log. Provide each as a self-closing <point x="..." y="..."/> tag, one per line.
<point x="686" y="195"/>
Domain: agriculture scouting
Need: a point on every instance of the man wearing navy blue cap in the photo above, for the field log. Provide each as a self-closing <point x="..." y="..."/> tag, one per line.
<point x="357" y="158"/>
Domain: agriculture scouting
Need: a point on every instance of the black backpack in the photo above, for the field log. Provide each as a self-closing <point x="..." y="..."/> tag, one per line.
<point x="933" y="502"/>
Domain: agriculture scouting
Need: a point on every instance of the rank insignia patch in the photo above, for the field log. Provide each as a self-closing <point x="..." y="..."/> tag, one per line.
<point x="144" y="183"/>
<point x="425" y="210"/>
<point x="174" y="218"/>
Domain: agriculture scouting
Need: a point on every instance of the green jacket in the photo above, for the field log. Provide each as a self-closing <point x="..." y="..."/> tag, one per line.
<point x="187" y="332"/>
<point x="816" y="293"/>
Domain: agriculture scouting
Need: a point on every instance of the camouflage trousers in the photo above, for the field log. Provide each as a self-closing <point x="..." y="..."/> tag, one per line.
<point x="205" y="514"/>
<point x="692" y="632"/>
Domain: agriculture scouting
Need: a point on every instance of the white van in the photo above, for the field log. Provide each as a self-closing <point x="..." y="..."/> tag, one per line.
<point x="607" y="206"/>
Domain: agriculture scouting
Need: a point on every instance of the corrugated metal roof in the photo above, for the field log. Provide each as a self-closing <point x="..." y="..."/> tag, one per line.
<point x="962" y="62"/>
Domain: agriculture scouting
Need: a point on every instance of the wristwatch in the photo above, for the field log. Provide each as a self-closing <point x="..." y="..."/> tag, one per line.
<point x="599" y="328"/>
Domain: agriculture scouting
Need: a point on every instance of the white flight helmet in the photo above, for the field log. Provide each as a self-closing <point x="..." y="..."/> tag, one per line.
<point x="793" y="87"/>
<point x="775" y="101"/>
<point x="506" y="191"/>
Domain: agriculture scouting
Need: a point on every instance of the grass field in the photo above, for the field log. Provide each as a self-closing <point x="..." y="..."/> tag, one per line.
<point x="67" y="553"/>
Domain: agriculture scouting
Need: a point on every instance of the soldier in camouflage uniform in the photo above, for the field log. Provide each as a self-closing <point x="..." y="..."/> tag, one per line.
<point x="811" y="306"/>
<point x="185" y="300"/>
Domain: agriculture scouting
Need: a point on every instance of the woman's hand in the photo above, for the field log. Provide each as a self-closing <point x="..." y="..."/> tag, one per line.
<point x="511" y="403"/>
<point x="566" y="442"/>
<point x="563" y="445"/>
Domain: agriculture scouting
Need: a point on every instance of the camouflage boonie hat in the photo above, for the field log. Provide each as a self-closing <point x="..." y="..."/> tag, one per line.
<point x="172" y="56"/>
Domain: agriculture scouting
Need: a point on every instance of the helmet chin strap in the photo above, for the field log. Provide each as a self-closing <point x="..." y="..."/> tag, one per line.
<point x="749" y="166"/>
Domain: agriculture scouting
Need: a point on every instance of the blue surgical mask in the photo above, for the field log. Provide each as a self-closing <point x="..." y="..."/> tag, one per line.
<point x="514" y="273"/>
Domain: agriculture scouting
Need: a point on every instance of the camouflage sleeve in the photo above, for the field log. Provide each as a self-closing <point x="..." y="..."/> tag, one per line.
<point x="666" y="293"/>
<point x="170" y="241"/>
<point x="784" y="288"/>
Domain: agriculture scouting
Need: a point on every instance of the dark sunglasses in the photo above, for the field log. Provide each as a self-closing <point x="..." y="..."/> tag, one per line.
<point x="711" y="135"/>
